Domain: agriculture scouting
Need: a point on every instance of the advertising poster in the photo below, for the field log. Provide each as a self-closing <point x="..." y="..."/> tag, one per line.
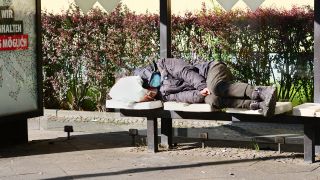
<point x="18" y="57"/>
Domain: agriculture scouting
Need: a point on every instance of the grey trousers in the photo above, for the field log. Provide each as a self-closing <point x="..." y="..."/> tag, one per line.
<point x="225" y="92"/>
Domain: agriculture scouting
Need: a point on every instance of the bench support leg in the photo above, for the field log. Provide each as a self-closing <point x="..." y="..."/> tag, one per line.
<point x="152" y="134"/>
<point x="317" y="131"/>
<point x="166" y="132"/>
<point x="309" y="143"/>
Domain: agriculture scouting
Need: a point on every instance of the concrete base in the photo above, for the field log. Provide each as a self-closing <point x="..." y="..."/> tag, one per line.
<point x="13" y="131"/>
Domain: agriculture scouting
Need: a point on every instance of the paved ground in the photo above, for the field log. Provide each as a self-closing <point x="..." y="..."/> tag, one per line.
<point x="110" y="155"/>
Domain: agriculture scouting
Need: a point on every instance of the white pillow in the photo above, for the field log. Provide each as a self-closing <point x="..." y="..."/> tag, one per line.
<point x="128" y="89"/>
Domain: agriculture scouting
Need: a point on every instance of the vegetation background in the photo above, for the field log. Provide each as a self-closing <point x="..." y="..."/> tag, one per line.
<point x="83" y="52"/>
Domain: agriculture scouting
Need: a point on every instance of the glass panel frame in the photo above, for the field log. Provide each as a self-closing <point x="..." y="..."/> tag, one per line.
<point x="32" y="84"/>
<point x="317" y="51"/>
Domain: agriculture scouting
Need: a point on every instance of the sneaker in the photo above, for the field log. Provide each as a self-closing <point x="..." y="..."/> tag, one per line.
<point x="256" y="95"/>
<point x="268" y="94"/>
<point x="267" y="111"/>
<point x="255" y="105"/>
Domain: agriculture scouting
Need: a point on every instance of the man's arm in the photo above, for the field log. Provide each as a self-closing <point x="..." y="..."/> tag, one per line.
<point x="193" y="96"/>
<point x="178" y="68"/>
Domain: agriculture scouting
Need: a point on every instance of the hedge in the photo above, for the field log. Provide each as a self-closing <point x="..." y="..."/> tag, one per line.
<point x="83" y="53"/>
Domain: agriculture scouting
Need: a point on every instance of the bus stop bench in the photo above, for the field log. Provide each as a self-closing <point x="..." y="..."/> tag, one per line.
<point x="307" y="114"/>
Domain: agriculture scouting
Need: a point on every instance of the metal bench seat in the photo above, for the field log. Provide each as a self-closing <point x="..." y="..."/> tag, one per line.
<point x="173" y="110"/>
<point x="307" y="109"/>
<point x="281" y="107"/>
<point x="113" y="104"/>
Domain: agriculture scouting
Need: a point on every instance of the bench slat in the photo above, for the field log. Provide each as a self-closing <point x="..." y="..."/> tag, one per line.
<point x="112" y="104"/>
<point x="307" y="109"/>
<point x="281" y="107"/>
<point x="178" y="106"/>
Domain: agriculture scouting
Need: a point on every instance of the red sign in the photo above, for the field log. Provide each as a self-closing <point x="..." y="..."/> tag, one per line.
<point x="13" y="42"/>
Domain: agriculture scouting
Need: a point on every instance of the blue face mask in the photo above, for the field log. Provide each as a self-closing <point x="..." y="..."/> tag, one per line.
<point x="155" y="80"/>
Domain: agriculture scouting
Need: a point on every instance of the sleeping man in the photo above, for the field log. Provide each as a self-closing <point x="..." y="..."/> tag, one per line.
<point x="171" y="79"/>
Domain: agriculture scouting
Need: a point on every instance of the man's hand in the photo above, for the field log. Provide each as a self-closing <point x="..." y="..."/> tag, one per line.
<point x="205" y="92"/>
<point x="150" y="95"/>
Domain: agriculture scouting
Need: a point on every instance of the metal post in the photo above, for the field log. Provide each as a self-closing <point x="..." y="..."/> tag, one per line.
<point x="133" y="133"/>
<point x="165" y="52"/>
<point x="166" y="132"/>
<point x="309" y="143"/>
<point x="317" y="51"/>
<point x="152" y="134"/>
<point x="165" y="28"/>
<point x="204" y="137"/>
<point x="317" y="55"/>
<point x="317" y="140"/>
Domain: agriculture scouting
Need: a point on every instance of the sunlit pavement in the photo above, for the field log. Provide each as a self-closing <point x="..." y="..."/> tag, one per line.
<point x="97" y="155"/>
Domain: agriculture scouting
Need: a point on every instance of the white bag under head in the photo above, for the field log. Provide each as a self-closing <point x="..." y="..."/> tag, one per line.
<point x="128" y="89"/>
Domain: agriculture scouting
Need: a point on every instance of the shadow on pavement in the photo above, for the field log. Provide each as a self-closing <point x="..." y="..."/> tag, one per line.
<point x="122" y="139"/>
<point x="150" y="169"/>
<point x="62" y="144"/>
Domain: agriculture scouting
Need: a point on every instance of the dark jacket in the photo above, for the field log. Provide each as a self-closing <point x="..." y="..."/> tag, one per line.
<point x="180" y="81"/>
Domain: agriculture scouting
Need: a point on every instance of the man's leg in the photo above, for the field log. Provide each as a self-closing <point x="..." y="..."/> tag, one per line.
<point x="222" y="102"/>
<point x="219" y="82"/>
<point x="234" y="90"/>
<point x="229" y="94"/>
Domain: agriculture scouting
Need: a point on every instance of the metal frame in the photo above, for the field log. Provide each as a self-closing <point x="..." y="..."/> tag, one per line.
<point x="39" y="111"/>
<point x="317" y="51"/>
<point x="311" y="125"/>
<point x="165" y="40"/>
<point x="165" y="28"/>
<point x="14" y="127"/>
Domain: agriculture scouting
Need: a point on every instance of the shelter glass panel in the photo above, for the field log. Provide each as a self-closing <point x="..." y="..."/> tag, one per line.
<point x="18" y="66"/>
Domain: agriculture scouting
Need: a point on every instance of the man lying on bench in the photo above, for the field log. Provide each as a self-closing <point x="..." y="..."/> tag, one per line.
<point x="211" y="82"/>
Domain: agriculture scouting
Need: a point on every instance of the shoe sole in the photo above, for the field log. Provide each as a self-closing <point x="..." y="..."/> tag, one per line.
<point x="270" y="102"/>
